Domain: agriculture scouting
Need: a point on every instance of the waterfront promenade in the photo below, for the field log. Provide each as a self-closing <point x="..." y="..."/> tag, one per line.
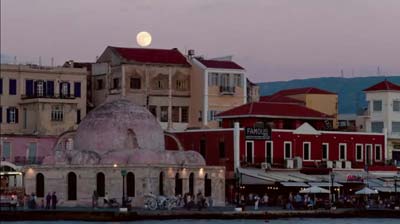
<point x="112" y="214"/>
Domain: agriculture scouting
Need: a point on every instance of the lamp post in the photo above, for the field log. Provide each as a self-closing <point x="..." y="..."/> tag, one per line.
<point x="123" y="174"/>
<point x="332" y="180"/>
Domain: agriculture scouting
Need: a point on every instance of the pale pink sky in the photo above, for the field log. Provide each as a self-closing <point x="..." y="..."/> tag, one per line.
<point x="272" y="39"/>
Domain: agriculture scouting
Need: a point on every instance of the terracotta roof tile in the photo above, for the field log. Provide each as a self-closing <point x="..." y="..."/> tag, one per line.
<point x="149" y="55"/>
<point x="219" y="64"/>
<point x="269" y="109"/>
<point x="384" y="85"/>
<point x="280" y="99"/>
<point x="306" y="90"/>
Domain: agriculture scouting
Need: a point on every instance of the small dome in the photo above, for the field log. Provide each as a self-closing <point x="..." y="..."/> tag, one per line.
<point x="119" y="125"/>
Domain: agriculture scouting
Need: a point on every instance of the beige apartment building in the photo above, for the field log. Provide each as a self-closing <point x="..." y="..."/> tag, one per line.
<point x="220" y="84"/>
<point x="158" y="79"/>
<point x="38" y="100"/>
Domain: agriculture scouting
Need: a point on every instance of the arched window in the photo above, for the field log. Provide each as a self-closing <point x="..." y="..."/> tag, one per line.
<point x="207" y="186"/>
<point x="178" y="185"/>
<point x="161" y="184"/>
<point x="100" y="184"/>
<point x="191" y="183"/>
<point x="39" y="185"/>
<point x="72" y="186"/>
<point x="130" y="184"/>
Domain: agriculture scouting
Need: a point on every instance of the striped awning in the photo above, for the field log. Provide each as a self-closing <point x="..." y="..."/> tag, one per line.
<point x="294" y="184"/>
<point x="324" y="184"/>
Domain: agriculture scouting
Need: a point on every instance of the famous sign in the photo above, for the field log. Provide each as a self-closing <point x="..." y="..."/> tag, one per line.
<point x="257" y="133"/>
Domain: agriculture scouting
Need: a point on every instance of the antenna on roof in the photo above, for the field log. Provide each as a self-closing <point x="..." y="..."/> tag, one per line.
<point x="52" y="61"/>
<point x="15" y="60"/>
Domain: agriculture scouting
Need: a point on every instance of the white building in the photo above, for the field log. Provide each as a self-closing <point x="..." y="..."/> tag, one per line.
<point x="383" y="115"/>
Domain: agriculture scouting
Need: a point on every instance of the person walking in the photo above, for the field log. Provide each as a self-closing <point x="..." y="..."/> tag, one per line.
<point x="54" y="200"/>
<point x="95" y="198"/>
<point x="256" y="201"/>
<point x="48" y="200"/>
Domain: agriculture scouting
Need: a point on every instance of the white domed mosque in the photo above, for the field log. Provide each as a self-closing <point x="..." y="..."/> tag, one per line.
<point x="120" y="142"/>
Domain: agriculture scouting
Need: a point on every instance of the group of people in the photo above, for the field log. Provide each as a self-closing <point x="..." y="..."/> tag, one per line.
<point x="190" y="201"/>
<point x="51" y="201"/>
<point x="254" y="199"/>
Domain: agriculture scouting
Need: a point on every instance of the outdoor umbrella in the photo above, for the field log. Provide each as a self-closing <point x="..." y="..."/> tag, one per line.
<point x="314" y="190"/>
<point x="366" y="191"/>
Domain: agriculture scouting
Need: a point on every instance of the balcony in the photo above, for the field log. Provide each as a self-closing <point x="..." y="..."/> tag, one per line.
<point x="227" y="90"/>
<point x="42" y="96"/>
<point x="22" y="160"/>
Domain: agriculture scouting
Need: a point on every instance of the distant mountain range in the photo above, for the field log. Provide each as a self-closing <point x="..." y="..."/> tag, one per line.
<point x="349" y="90"/>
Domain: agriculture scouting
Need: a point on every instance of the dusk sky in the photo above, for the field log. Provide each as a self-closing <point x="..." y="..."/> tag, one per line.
<point x="273" y="39"/>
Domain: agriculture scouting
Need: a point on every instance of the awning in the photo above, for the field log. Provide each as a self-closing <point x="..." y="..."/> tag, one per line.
<point x="294" y="184"/>
<point x="254" y="177"/>
<point x="250" y="180"/>
<point x="324" y="184"/>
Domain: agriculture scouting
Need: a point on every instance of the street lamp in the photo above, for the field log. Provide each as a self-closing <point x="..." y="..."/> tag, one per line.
<point x="332" y="180"/>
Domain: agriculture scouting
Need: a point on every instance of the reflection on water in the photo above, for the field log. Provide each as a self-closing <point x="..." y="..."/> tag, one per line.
<point x="236" y="221"/>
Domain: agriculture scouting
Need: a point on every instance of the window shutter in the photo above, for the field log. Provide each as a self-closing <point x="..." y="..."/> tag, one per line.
<point x="44" y="88"/>
<point x="8" y="115"/>
<point x="29" y="87"/>
<point x="60" y="89"/>
<point x="50" y="88"/>
<point x="13" y="87"/>
<point x="16" y="115"/>
<point x="34" y="91"/>
<point x="77" y="89"/>
<point x="69" y="89"/>
<point x="1" y="86"/>
<point x="1" y="114"/>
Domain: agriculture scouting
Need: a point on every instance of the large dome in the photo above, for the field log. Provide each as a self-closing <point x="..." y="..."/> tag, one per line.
<point x="119" y="125"/>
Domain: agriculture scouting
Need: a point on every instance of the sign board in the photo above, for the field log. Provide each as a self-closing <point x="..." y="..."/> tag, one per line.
<point x="257" y="133"/>
<point x="123" y="173"/>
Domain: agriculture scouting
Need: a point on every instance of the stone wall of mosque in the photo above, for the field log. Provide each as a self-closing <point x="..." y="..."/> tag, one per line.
<point x="147" y="180"/>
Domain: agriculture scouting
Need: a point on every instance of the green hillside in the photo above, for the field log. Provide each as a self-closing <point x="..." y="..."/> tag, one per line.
<point x="351" y="96"/>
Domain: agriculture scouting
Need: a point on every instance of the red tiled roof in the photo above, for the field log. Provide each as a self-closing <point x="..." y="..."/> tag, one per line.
<point x="160" y="56"/>
<point x="269" y="109"/>
<point x="280" y="99"/>
<point x="306" y="90"/>
<point x="384" y="85"/>
<point x="219" y="64"/>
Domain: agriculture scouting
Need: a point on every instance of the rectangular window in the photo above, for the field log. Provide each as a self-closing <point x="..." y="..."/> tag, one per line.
<point x="249" y="151"/>
<point x="377" y="105"/>
<point x="50" y="88"/>
<point x="64" y="89"/>
<point x="185" y="114"/>
<point x="378" y="152"/>
<point x="78" y="116"/>
<point x="221" y="149"/>
<point x="153" y="110"/>
<point x="99" y="84"/>
<point x="1" y="86"/>
<point x="135" y="83"/>
<point x="396" y="105"/>
<point x="1" y="114"/>
<point x="13" y="87"/>
<point x="57" y="113"/>
<point x="306" y="151"/>
<point x="237" y="80"/>
<point x="288" y="149"/>
<point x="213" y="79"/>
<point x="164" y="114"/>
<point x="359" y="152"/>
<point x="269" y="152"/>
<point x="32" y="148"/>
<point x="203" y="148"/>
<point x="6" y="152"/>
<point x="377" y="126"/>
<point x="77" y="89"/>
<point x="116" y="83"/>
<point x="368" y="154"/>
<point x="396" y="127"/>
<point x="325" y="151"/>
<point x="12" y="115"/>
<point x="181" y="84"/>
<point x="212" y="114"/>
<point x="175" y="114"/>
<point x="39" y="88"/>
<point x="342" y="151"/>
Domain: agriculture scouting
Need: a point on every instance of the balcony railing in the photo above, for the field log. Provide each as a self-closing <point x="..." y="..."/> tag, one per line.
<point x="23" y="160"/>
<point x="43" y="96"/>
<point x="229" y="90"/>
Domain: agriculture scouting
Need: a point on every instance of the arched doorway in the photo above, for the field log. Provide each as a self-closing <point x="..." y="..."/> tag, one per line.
<point x="100" y="184"/>
<point x="72" y="186"/>
<point x="191" y="183"/>
<point x="130" y="184"/>
<point x="178" y="185"/>
<point x="161" y="184"/>
<point x="207" y="186"/>
<point x="40" y="185"/>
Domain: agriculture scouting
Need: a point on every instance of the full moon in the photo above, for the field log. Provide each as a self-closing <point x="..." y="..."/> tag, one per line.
<point x="143" y="39"/>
